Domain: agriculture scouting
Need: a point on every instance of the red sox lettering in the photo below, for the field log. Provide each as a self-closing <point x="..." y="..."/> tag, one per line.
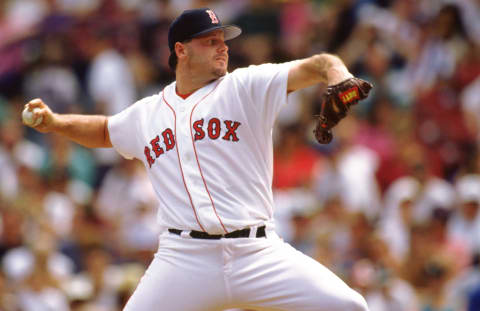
<point x="168" y="141"/>
<point x="214" y="130"/>
<point x="232" y="127"/>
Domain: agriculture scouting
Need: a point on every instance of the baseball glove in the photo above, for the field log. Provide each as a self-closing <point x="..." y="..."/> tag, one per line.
<point x="335" y="104"/>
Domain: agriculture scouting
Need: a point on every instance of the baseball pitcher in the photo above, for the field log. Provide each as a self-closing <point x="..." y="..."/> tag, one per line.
<point x="206" y="143"/>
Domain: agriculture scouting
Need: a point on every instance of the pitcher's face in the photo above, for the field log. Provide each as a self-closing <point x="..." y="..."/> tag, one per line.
<point x="208" y="54"/>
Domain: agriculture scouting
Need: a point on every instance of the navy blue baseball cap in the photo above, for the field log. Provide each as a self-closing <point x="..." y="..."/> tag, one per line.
<point x="196" y="22"/>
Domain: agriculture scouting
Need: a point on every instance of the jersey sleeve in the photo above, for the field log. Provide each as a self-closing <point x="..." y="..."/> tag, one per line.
<point x="124" y="127"/>
<point x="266" y="87"/>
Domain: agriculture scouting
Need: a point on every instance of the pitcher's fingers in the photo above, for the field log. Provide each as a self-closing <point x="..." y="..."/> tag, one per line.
<point x="38" y="112"/>
<point x="34" y="103"/>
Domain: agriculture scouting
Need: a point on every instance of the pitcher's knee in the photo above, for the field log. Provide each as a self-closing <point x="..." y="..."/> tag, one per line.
<point x="350" y="300"/>
<point x="356" y="302"/>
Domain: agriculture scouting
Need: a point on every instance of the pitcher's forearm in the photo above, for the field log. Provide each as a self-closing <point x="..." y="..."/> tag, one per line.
<point x="87" y="130"/>
<point x="322" y="68"/>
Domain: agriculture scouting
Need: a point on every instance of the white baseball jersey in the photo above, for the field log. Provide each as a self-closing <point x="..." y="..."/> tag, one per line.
<point x="209" y="156"/>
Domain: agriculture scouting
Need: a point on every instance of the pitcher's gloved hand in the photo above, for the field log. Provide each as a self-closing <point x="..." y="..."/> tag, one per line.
<point x="335" y="104"/>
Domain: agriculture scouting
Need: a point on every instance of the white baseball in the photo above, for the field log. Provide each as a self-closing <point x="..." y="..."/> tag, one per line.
<point x="27" y="117"/>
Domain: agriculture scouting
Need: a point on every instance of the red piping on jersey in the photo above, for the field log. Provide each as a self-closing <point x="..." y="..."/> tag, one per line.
<point x="196" y="156"/>
<point x="179" y="163"/>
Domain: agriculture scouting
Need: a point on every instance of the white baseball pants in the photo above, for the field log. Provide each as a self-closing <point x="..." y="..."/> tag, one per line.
<point x="252" y="273"/>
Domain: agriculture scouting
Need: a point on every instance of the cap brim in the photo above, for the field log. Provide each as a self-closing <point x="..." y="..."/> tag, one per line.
<point x="230" y="31"/>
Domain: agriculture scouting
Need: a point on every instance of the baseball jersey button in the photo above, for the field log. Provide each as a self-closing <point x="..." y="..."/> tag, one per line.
<point x="182" y="108"/>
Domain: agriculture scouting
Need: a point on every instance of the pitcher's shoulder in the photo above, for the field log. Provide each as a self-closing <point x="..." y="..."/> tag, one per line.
<point x="149" y="100"/>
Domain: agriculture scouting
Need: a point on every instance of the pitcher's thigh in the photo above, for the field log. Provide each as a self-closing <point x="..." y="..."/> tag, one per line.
<point x="168" y="286"/>
<point x="285" y="279"/>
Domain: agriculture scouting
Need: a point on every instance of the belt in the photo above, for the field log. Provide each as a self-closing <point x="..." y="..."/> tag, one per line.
<point x="243" y="233"/>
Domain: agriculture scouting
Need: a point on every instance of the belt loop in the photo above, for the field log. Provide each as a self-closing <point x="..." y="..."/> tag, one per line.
<point x="253" y="232"/>
<point x="185" y="234"/>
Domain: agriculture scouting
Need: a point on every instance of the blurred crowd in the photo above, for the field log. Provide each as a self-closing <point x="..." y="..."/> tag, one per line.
<point x="392" y="205"/>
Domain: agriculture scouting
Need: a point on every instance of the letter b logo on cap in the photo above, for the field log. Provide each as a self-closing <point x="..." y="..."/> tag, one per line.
<point x="213" y="17"/>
